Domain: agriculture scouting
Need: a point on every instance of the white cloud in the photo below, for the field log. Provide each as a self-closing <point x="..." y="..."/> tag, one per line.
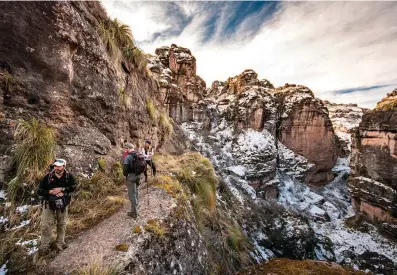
<point x="327" y="46"/>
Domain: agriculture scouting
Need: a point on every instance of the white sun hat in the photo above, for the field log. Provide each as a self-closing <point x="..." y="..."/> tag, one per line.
<point x="60" y="162"/>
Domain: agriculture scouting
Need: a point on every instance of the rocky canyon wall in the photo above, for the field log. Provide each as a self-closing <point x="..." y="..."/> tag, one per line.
<point x="64" y="75"/>
<point x="174" y="69"/>
<point x="373" y="181"/>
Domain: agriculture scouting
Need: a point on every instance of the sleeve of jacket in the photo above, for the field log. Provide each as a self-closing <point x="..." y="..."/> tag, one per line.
<point x="71" y="184"/>
<point x="126" y="165"/>
<point x="42" y="191"/>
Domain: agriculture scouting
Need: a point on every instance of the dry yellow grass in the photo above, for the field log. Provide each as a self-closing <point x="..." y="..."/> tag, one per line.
<point x="296" y="267"/>
<point x="100" y="197"/>
<point x="155" y="227"/>
<point x="137" y="229"/>
<point x="97" y="268"/>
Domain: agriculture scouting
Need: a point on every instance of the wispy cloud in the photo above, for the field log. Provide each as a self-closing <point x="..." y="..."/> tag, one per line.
<point x="328" y="46"/>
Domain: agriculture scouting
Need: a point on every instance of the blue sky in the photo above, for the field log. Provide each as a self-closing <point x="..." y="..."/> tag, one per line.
<point x="345" y="52"/>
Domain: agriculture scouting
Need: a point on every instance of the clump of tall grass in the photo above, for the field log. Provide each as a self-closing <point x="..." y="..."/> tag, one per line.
<point x="151" y="110"/>
<point x="155" y="227"/>
<point x="166" y="125"/>
<point x="119" y="42"/>
<point x="97" y="198"/>
<point x="199" y="175"/>
<point x="236" y="239"/>
<point x="98" y="268"/>
<point x="34" y="151"/>
<point x="8" y="82"/>
<point x="102" y="164"/>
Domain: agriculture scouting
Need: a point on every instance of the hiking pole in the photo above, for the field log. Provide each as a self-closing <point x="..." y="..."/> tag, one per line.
<point x="147" y="189"/>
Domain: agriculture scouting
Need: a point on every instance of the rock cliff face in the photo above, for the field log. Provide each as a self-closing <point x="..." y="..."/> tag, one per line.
<point x="344" y="118"/>
<point x="305" y="128"/>
<point x="63" y="75"/>
<point x="373" y="183"/>
<point x="174" y="68"/>
<point x="290" y="114"/>
<point x="264" y="183"/>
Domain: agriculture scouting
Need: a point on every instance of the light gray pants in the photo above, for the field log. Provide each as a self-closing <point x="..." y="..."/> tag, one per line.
<point x="48" y="217"/>
<point x="132" y="187"/>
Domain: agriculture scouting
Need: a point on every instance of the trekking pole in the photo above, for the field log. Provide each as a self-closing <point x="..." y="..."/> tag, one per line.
<point x="147" y="189"/>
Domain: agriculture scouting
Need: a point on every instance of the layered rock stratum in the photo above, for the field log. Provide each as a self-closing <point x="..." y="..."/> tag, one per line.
<point x="373" y="183"/>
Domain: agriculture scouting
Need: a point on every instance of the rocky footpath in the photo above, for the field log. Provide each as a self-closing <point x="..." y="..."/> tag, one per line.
<point x="56" y="67"/>
<point x="373" y="183"/>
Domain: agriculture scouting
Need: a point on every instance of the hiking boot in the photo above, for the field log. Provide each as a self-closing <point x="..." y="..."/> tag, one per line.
<point x="61" y="246"/>
<point x="132" y="215"/>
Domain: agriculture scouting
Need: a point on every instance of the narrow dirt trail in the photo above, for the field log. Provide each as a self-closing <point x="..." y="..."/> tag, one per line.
<point x="99" y="242"/>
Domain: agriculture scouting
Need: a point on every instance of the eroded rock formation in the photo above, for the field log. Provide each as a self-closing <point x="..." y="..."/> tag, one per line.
<point x="373" y="181"/>
<point x="305" y="128"/>
<point x="174" y="68"/>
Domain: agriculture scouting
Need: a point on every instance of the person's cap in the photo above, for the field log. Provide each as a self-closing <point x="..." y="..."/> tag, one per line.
<point x="148" y="142"/>
<point x="60" y="162"/>
<point x="129" y="145"/>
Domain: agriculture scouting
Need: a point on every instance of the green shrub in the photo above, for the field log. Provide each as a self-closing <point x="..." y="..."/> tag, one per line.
<point x="102" y="164"/>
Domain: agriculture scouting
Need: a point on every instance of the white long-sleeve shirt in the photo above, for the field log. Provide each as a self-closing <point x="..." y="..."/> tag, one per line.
<point x="148" y="155"/>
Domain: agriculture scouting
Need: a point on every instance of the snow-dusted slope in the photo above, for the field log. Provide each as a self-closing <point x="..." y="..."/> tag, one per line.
<point x="344" y="118"/>
<point x="263" y="175"/>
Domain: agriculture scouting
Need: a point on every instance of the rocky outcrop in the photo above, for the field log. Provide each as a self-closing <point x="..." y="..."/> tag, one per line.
<point x="344" y="117"/>
<point x="373" y="181"/>
<point x="304" y="127"/>
<point x="174" y="68"/>
<point x="63" y="75"/>
<point x="260" y="130"/>
<point x="245" y="101"/>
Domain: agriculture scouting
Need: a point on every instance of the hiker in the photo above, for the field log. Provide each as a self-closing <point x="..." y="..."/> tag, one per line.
<point x="125" y="153"/>
<point x="134" y="166"/>
<point x="148" y="151"/>
<point x="55" y="189"/>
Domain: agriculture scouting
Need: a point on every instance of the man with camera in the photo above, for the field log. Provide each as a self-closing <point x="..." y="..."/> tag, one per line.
<point x="55" y="189"/>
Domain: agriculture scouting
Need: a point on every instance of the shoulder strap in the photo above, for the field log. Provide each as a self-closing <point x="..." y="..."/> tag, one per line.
<point x="49" y="177"/>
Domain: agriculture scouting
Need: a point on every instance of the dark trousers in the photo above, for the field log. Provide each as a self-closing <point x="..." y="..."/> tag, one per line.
<point x="151" y="164"/>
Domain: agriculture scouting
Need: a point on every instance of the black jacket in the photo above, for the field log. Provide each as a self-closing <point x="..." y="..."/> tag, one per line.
<point x="51" y="181"/>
